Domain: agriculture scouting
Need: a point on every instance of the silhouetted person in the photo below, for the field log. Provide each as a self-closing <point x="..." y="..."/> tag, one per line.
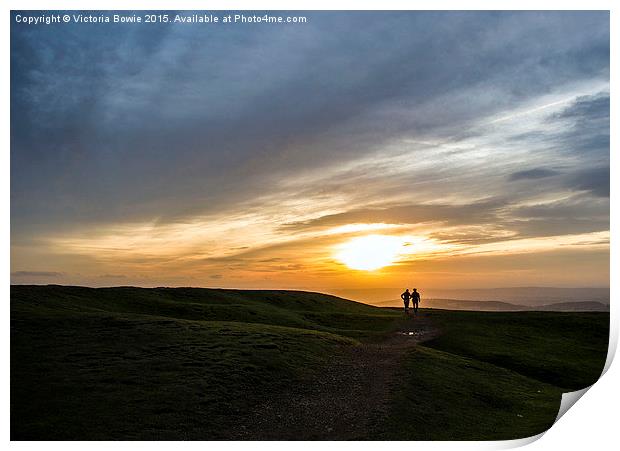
<point x="405" y="297"/>
<point x="415" y="298"/>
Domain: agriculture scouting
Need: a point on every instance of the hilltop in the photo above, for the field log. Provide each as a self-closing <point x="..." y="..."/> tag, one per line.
<point x="189" y="363"/>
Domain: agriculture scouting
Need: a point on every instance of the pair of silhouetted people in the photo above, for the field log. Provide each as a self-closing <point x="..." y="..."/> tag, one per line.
<point x="414" y="297"/>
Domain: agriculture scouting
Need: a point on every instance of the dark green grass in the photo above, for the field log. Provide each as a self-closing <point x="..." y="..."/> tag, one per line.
<point x="567" y="350"/>
<point x="449" y="397"/>
<point x="131" y="377"/>
<point x="132" y="363"/>
<point x="282" y="308"/>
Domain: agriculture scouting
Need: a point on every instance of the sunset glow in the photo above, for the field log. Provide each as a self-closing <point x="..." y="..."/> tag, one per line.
<point x="370" y="252"/>
<point x="153" y="165"/>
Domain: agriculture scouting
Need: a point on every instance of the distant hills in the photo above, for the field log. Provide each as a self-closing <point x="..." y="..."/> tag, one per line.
<point x="492" y="299"/>
<point x="498" y="306"/>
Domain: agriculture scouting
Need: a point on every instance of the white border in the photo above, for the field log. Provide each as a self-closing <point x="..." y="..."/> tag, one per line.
<point x="592" y="424"/>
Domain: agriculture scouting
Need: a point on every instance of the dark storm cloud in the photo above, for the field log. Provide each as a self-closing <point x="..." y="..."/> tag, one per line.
<point x="127" y="123"/>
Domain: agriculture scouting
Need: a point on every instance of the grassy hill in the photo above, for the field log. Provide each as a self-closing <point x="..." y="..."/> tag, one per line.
<point x="567" y="350"/>
<point x="280" y="308"/>
<point x="184" y="363"/>
<point x="138" y="363"/>
<point x="497" y="375"/>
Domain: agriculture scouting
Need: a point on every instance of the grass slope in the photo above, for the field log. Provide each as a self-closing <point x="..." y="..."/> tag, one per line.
<point x="567" y="350"/>
<point x="449" y="397"/>
<point x="496" y="376"/>
<point x="281" y="308"/>
<point x="131" y="363"/>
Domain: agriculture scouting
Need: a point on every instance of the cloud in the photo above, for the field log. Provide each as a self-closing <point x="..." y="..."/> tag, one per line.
<point x="51" y="274"/>
<point x="481" y="222"/>
<point x="482" y="211"/>
<point x="574" y="215"/>
<point x="593" y="180"/>
<point x="134" y="122"/>
<point x="585" y="127"/>
<point x="529" y="174"/>
<point x="591" y="108"/>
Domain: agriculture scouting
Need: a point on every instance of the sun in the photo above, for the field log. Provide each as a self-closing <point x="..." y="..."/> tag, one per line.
<point x="367" y="253"/>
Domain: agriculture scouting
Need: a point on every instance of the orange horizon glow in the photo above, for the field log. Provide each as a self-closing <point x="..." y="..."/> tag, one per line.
<point x="208" y="254"/>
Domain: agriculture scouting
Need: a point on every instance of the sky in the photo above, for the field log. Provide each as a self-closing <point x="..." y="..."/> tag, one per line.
<point x="357" y="150"/>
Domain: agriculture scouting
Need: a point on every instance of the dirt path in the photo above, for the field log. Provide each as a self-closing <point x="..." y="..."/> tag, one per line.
<point x="346" y="401"/>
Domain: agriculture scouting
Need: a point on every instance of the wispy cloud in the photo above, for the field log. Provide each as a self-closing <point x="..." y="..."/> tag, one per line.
<point x="536" y="173"/>
<point x="45" y="274"/>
